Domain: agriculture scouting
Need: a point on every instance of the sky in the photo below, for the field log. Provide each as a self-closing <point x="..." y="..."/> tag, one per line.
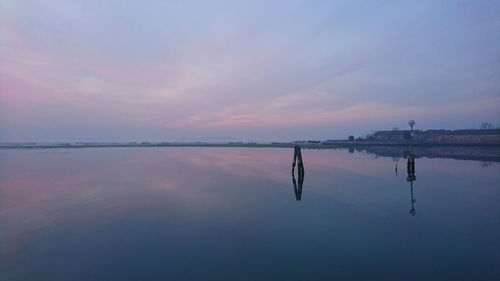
<point x="244" y="70"/>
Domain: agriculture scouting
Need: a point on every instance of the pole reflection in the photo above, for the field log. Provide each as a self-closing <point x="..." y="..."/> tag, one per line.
<point x="410" y="168"/>
<point x="411" y="178"/>
<point x="297" y="159"/>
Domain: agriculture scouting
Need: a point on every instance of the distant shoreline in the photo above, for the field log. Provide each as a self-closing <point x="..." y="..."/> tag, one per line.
<point x="345" y="144"/>
<point x="394" y="138"/>
<point x="463" y="152"/>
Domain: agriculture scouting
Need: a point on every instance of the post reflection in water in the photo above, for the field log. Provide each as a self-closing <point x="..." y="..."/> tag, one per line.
<point x="297" y="158"/>
<point x="410" y="167"/>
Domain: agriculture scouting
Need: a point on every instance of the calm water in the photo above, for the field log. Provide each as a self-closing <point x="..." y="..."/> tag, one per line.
<point x="232" y="214"/>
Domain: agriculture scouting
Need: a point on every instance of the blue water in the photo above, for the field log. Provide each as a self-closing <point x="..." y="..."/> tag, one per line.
<point x="233" y="214"/>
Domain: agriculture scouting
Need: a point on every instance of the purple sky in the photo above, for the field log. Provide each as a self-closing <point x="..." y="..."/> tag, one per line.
<point x="250" y="71"/>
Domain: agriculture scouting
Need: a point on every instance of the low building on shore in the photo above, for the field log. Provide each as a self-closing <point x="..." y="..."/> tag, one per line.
<point x="448" y="137"/>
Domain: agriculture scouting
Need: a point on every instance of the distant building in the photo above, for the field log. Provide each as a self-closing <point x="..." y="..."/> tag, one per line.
<point x="483" y="136"/>
<point x="394" y="135"/>
<point x="473" y="136"/>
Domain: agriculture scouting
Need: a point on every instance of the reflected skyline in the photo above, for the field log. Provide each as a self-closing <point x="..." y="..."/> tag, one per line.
<point x="484" y="154"/>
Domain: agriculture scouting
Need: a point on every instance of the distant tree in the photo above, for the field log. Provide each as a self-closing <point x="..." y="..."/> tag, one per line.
<point x="411" y="124"/>
<point x="407" y="135"/>
<point x="486" y="125"/>
<point x="395" y="129"/>
<point x="351" y="138"/>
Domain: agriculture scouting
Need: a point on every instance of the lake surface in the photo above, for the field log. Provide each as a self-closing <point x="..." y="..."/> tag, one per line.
<point x="233" y="214"/>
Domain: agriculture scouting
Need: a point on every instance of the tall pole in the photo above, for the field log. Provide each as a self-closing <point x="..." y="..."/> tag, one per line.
<point x="411" y="123"/>
<point x="411" y="168"/>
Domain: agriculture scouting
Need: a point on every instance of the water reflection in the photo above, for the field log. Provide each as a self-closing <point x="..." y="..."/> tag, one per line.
<point x="410" y="167"/>
<point x="298" y="190"/>
<point x="487" y="155"/>
<point x="297" y="158"/>
<point x="192" y="212"/>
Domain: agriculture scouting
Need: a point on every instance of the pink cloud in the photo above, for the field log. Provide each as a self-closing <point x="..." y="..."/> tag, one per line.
<point x="264" y="115"/>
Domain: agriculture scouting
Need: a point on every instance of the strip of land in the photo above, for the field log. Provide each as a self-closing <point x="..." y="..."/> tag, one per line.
<point x="384" y="149"/>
